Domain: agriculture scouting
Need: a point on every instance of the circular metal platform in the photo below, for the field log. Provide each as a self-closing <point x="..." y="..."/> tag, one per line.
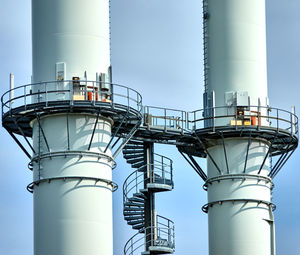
<point x="24" y="103"/>
<point x="277" y="127"/>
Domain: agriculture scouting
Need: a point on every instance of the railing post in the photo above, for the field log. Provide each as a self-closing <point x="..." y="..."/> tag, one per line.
<point x="165" y="115"/>
<point x="85" y="92"/>
<point x="181" y="120"/>
<point x="169" y="233"/>
<point x="71" y="91"/>
<point x="38" y="95"/>
<point x="171" y="169"/>
<point x="128" y="103"/>
<point x="25" y="100"/>
<point x="213" y="117"/>
<point x="163" y="170"/>
<point x="12" y="90"/>
<point x="293" y="120"/>
<point x="277" y="120"/>
<point x="258" y="117"/>
<point x="235" y="117"/>
<point x="173" y="229"/>
<point x="46" y="94"/>
<point x="93" y="93"/>
<point x="185" y="120"/>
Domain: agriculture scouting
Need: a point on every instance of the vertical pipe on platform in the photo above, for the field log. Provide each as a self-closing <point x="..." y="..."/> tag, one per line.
<point x="11" y="87"/>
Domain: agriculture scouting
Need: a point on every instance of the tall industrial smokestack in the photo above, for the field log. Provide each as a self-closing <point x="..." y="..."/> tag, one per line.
<point x="79" y="122"/>
<point x="71" y="42"/>
<point x="236" y="108"/>
<point x="72" y="112"/>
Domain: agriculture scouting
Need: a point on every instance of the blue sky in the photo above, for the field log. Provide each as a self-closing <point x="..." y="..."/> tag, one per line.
<point x="157" y="50"/>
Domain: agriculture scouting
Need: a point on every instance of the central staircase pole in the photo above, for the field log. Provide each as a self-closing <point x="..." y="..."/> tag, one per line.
<point x="150" y="214"/>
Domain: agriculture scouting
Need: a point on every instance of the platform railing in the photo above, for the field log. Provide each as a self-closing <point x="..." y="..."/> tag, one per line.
<point x="165" y="118"/>
<point x="165" y="234"/>
<point x="70" y="91"/>
<point x="254" y="116"/>
<point x="136" y="180"/>
<point x="161" y="172"/>
<point x="162" y="236"/>
<point x="223" y="116"/>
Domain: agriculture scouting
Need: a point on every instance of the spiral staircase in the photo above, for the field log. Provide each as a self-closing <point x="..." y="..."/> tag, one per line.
<point x="153" y="174"/>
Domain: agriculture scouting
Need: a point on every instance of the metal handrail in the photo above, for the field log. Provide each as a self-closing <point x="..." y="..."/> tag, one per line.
<point x="47" y="92"/>
<point x="165" y="117"/>
<point x="284" y="120"/>
<point x="164" y="237"/>
<point x="267" y="117"/>
<point x="136" y="180"/>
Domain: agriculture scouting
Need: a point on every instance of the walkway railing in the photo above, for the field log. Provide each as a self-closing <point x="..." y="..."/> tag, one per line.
<point x="161" y="172"/>
<point x="165" y="118"/>
<point x="93" y="92"/>
<point x="228" y="116"/>
<point x="164" y="237"/>
<point x="70" y="91"/>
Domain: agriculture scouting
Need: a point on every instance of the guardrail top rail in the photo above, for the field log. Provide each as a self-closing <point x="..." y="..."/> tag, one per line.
<point x="253" y="116"/>
<point x="165" y="118"/>
<point x="136" y="180"/>
<point x="137" y="243"/>
<point x="71" y="90"/>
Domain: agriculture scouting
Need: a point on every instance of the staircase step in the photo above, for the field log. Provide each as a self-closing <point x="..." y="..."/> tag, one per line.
<point x="129" y="209"/>
<point x="132" y="151"/>
<point x="140" y="195"/>
<point x="129" y="218"/>
<point x="135" y="142"/>
<point x="135" y="222"/>
<point x="127" y="213"/>
<point x="141" y="169"/>
<point x="131" y="156"/>
<point x="133" y="147"/>
<point x="133" y="204"/>
<point x="136" y="203"/>
<point x="138" y="227"/>
<point x="136" y="199"/>
<point x="138" y="165"/>
<point x="135" y="160"/>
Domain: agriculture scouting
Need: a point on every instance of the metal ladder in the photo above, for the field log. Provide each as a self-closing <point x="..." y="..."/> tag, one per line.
<point x="205" y="43"/>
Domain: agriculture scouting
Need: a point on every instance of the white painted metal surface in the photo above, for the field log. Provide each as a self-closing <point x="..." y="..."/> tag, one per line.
<point x="73" y="208"/>
<point x="236" y="41"/>
<point x="73" y="32"/>
<point x="239" y="208"/>
<point x="72" y="216"/>
<point x="241" y="223"/>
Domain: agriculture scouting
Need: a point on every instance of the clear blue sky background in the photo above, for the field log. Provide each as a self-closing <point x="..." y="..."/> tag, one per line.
<point x="157" y="50"/>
